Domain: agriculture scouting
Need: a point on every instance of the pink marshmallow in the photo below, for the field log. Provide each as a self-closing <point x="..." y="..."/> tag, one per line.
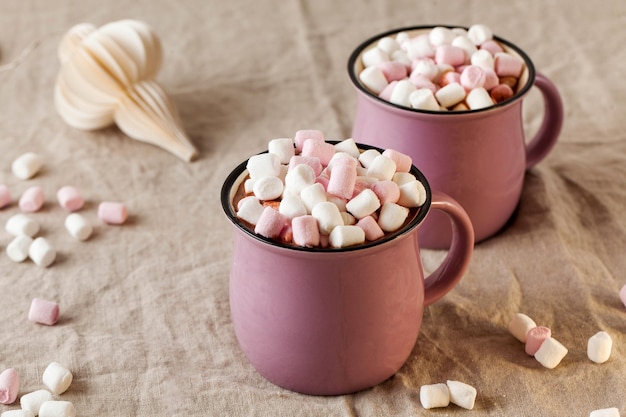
<point x="393" y="70"/>
<point x="43" y="311"/>
<point x="342" y="181"/>
<point x="371" y="228"/>
<point x="451" y="55"/>
<point x="386" y="93"/>
<point x="491" y="78"/>
<point x="386" y="191"/>
<point x="70" y="199"/>
<point x="507" y="65"/>
<point x="32" y="199"/>
<point x="622" y="295"/>
<point x="5" y="196"/>
<point x="360" y="185"/>
<point x="271" y="223"/>
<point x="112" y="212"/>
<point x="302" y="135"/>
<point x="535" y="337"/>
<point x="9" y="386"/>
<point x="403" y="161"/>
<point x="305" y="231"/>
<point x="501" y="92"/>
<point x="472" y="77"/>
<point x="324" y="180"/>
<point x="317" y="149"/>
<point x="492" y="46"/>
<point x="312" y="161"/>
<point x="420" y="81"/>
<point x="450" y="77"/>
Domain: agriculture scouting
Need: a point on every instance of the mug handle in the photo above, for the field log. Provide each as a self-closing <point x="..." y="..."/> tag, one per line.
<point x="545" y="138"/>
<point x="454" y="265"/>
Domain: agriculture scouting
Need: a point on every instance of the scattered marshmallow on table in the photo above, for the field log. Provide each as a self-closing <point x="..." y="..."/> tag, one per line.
<point x="78" y="226"/>
<point x="43" y="311"/>
<point x="17" y="249"/>
<point x="57" y="409"/>
<point x="21" y="224"/>
<point x="5" y="196"/>
<point x="33" y="400"/>
<point x="69" y="198"/>
<point x="605" y="412"/>
<point x="17" y="413"/>
<point x="434" y="396"/>
<point x="32" y="199"/>
<point x="27" y="165"/>
<point x="535" y="337"/>
<point x="41" y="252"/>
<point x="599" y="347"/>
<point x="462" y="394"/>
<point x="550" y="353"/>
<point x="112" y="212"/>
<point x="57" y="378"/>
<point x="9" y="386"/>
<point x="519" y="326"/>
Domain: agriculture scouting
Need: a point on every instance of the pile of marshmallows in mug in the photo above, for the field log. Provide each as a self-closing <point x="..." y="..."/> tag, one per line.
<point x="312" y="193"/>
<point x="444" y="69"/>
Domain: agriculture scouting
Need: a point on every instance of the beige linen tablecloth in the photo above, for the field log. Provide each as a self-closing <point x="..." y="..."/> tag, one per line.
<point x="145" y="324"/>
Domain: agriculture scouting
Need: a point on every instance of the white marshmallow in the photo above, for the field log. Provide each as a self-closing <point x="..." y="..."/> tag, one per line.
<point x="21" y="224"/>
<point x="551" y="353"/>
<point x="364" y="204"/>
<point x="342" y="236"/>
<point x="466" y="44"/>
<point x="312" y="195"/>
<point x="423" y="99"/>
<point x="382" y="168"/>
<point x="338" y="201"/>
<point x="248" y="186"/>
<point x="419" y="47"/>
<point x="478" y="98"/>
<point x="374" y="79"/>
<point x="402" y="37"/>
<point x="348" y="146"/>
<point x="41" y="252"/>
<point x="426" y="68"/>
<point x="57" y="378"/>
<point x="450" y="94"/>
<point x="27" y="165"/>
<point x="250" y="210"/>
<point x="388" y="44"/>
<point x="263" y="165"/>
<point x="374" y="56"/>
<point x="401" y="93"/>
<point x="412" y="194"/>
<point x="298" y="178"/>
<point x="268" y="188"/>
<point x="483" y="59"/>
<point x="17" y="413"/>
<point x="401" y="57"/>
<point x="462" y="394"/>
<point x="434" y="396"/>
<point x="17" y="250"/>
<point x="392" y="216"/>
<point x="328" y="217"/>
<point x="57" y="409"/>
<point x="403" y="177"/>
<point x="440" y="35"/>
<point x="479" y="33"/>
<point x="367" y="157"/>
<point x="348" y="219"/>
<point x="78" y="226"/>
<point x="605" y="412"/>
<point x="291" y="206"/>
<point x="283" y="148"/>
<point x="519" y="326"/>
<point x="599" y="347"/>
<point x="33" y="400"/>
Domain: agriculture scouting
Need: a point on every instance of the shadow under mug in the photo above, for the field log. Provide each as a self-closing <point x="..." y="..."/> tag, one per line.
<point x="478" y="157"/>
<point x="327" y="321"/>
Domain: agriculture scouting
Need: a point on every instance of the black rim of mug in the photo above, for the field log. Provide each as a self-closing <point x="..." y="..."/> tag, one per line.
<point x="231" y="181"/>
<point x="355" y="79"/>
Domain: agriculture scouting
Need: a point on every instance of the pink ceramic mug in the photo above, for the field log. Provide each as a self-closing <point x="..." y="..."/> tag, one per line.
<point x="478" y="157"/>
<point x="335" y="321"/>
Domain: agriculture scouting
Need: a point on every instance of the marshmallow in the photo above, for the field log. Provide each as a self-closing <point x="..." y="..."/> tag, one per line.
<point x="249" y="210"/>
<point x="43" y="312"/>
<point x="501" y="92"/>
<point x="401" y="57"/>
<point x="479" y="34"/>
<point x="388" y="44"/>
<point x="302" y="135"/>
<point x="318" y="149"/>
<point x="267" y="188"/>
<point x="520" y="325"/>
<point x="328" y="217"/>
<point x="374" y="79"/>
<point x="33" y="400"/>
<point x="348" y="146"/>
<point x="112" y="212"/>
<point x="393" y="70"/>
<point x="550" y="353"/>
<point x="386" y="93"/>
<point x="5" y="196"/>
<point x="419" y="47"/>
<point x="535" y="337"/>
<point x="57" y="409"/>
<point x="368" y="156"/>
<point x="450" y="94"/>
<point x="283" y="148"/>
<point x="312" y="195"/>
<point x="424" y="99"/>
<point x="466" y="44"/>
<point x="434" y="396"/>
<point x="342" y="236"/>
<point x="462" y="394"/>
<point x="27" y="165"/>
<point x="386" y="191"/>
<point x="32" y="199"/>
<point x="392" y="217"/>
<point x="17" y="413"/>
<point x="313" y="162"/>
<point x="403" y="161"/>
<point x="412" y="194"/>
<point x="605" y="412"/>
<point x="371" y="228"/>
<point x="69" y="198"/>
<point x="305" y="231"/>
<point x="450" y="77"/>
<point x="403" y="177"/>
<point x="342" y="158"/>
<point x="248" y="186"/>
<point x="17" y="249"/>
<point x="599" y="347"/>
<point x="270" y="223"/>
<point x="472" y="77"/>
<point x="9" y="386"/>
<point x="291" y="206"/>
<point x="478" y="98"/>
<point x="449" y="54"/>
<point x="622" y="295"/>
<point x="382" y="168"/>
<point x="57" y="378"/>
<point x="374" y="56"/>
<point x="440" y="35"/>
<point x="507" y="65"/>
<point x="348" y="219"/>
<point x="299" y="177"/>
<point x="342" y="181"/>
<point x="401" y="93"/>
<point x="78" y="226"/>
<point x="482" y="58"/>
<point x="425" y="67"/>
<point x="263" y="165"/>
<point x="41" y="252"/>
<point x="364" y="204"/>
<point x="492" y="46"/>
<point x="422" y="82"/>
<point x="20" y="224"/>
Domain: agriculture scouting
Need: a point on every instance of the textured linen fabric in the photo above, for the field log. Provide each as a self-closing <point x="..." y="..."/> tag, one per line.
<point x="145" y="323"/>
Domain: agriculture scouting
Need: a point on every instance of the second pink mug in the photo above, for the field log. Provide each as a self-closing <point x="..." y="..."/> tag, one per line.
<point x="478" y="157"/>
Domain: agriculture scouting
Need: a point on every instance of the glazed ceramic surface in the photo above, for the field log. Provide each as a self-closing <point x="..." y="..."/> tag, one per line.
<point x="335" y="321"/>
<point x="478" y="157"/>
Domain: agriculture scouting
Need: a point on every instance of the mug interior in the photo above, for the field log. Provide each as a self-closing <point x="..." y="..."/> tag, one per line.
<point x="239" y="174"/>
<point x="355" y="66"/>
